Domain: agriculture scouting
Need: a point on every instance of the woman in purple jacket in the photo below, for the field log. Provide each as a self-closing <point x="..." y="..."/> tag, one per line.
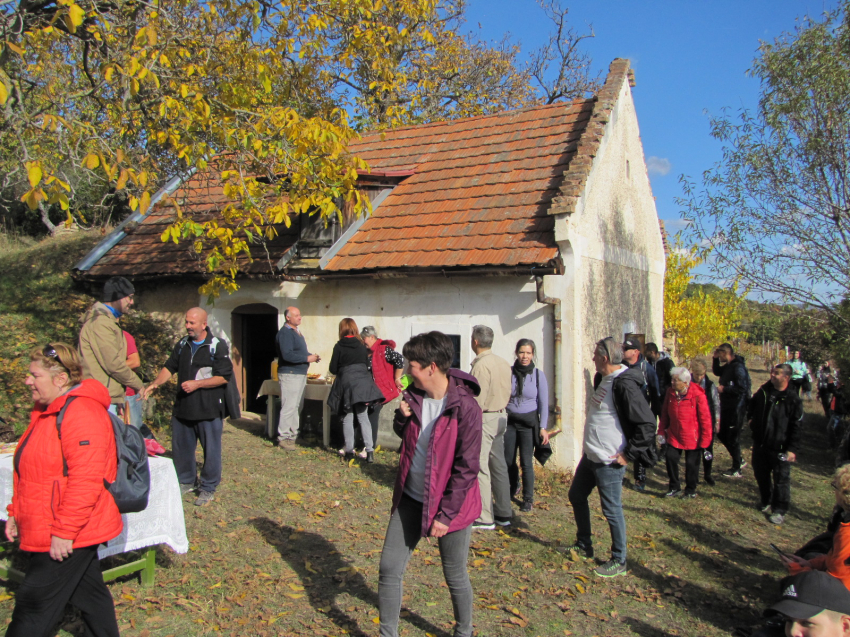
<point x="527" y="410"/>
<point x="436" y="491"/>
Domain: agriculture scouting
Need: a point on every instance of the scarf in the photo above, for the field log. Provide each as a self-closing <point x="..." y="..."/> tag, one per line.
<point x="521" y="371"/>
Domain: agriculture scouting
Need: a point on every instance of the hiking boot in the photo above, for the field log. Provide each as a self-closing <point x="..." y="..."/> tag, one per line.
<point x="204" y="498"/>
<point x="370" y="457"/>
<point x="526" y="506"/>
<point x="640" y="487"/>
<point x="481" y="526"/>
<point x="777" y="518"/>
<point x="611" y="568"/>
<point x="186" y="488"/>
<point x="583" y="551"/>
<point x="673" y="493"/>
<point x="286" y="445"/>
<point x="710" y="481"/>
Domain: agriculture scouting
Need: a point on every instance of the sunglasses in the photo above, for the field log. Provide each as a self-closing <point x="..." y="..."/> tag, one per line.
<point x="50" y="352"/>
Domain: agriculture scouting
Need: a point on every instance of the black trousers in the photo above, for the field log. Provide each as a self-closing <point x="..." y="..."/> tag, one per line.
<point x="520" y="434"/>
<point x="730" y="433"/>
<point x="774" y="479"/>
<point x="692" y="456"/>
<point x="49" y="585"/>
<point x="374" y="412"/>
<point x="706" y="464"/>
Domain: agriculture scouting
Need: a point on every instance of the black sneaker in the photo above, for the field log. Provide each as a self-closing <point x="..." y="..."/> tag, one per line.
<point x="526" y="506"/>
<point x="582" y="551"/>
<point x="673" y="493"/>
<point x="502" y="522"/>
<point x="733" y="474"/>
<point x="689" y="496"/>
<point x="638" y="486"/>
<point x="611" y="568"/>
<point x="710" y="481"/>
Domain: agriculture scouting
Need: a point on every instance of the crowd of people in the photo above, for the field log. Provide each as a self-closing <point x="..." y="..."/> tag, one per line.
<point x="468" y="444"/>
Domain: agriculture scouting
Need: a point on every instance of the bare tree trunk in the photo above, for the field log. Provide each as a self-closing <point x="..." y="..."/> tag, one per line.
<point x="45" y="219"/>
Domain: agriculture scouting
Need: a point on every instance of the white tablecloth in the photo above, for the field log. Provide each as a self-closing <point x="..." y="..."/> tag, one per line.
<point x="161" y="523"/>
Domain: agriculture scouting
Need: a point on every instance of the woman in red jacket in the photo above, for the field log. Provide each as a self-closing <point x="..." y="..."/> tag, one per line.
<point x="685" y="425"/>
<point x="61" y="510"/>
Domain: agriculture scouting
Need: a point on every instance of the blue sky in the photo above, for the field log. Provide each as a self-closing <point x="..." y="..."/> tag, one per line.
<point x="690" y="59"/>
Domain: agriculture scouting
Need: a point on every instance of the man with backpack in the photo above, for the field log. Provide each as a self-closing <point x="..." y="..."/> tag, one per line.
<point x="633" y="358"/>
<point x="202" y="364"/>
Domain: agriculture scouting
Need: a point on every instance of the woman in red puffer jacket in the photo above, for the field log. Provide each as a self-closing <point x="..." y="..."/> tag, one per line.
<point x="61" y="510"/>
<point x="685" y="425"/>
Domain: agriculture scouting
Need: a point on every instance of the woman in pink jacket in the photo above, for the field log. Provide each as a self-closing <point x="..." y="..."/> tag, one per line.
<point x="436" y="490"/>
<point x="685" y="425"/>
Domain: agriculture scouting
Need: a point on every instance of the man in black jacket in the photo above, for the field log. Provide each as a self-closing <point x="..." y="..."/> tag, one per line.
<point x="775" y="413"/>
<point x="634" y="359"/>
<point x="619" y="428"/>
<point x="203" y="368"/>
<point x="662" y="364"/>
<point x="734" y="387"/>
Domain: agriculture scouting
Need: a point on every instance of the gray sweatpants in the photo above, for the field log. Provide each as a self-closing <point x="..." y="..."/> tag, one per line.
<point x="403" y="534"/>
<point x="365" y="428"/>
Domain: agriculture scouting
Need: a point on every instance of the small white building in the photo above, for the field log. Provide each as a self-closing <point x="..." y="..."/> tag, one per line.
<point x="539" y="223"/>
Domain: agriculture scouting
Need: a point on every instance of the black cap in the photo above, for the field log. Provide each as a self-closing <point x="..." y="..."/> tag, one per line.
<point x="808" y="593"/>
<point x="117" y="288"/>
<point x="631" y="343"/>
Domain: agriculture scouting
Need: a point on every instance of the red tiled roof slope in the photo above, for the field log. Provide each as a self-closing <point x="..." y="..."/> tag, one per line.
<point x="141" y="253"/>
<point x="479" y="195"/>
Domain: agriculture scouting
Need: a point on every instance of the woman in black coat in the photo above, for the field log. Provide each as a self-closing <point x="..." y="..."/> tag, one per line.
<point x="353" y="388"/>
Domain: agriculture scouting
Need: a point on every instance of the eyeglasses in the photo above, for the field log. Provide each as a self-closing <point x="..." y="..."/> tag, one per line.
<point x="50" y="352"/>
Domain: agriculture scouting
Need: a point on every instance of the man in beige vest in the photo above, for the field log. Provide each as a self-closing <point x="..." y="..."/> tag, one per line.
<point x="493" y="374"/>
<point x="102" y="346"/>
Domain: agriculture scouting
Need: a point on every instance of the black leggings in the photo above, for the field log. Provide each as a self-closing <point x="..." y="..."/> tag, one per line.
<point x="520" y="434"/>
<point x="49" y="585"/>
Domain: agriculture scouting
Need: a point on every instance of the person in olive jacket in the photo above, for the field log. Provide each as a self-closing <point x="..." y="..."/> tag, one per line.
<point x="775" y="414"/>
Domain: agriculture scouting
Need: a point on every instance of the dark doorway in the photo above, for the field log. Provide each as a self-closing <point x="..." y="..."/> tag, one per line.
<point x="254" y="330"/>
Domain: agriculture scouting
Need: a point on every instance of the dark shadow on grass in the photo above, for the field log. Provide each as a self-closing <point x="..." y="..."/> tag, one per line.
<point x="249" y="425"/>
<point x="643" y="629"/>
<point x="327" y="581"/>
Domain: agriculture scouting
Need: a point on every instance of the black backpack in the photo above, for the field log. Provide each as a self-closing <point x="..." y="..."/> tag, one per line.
<point x="133" y="480"/>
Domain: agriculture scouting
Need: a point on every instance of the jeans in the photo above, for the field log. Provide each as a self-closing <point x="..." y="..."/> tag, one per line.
<point x="49" y="585"/>
<point x="493" y="475"/>
<point x="731" y="420"/>
<point x="403" y="534"/>
<point x="774" y="479"/>
<point x="365" y="428"/>
<point x="291" y="401"/>
<point x="374" y="413"/>
<point x="608" y="478"/>
<point x="184" y="438"/>
<point x="692" y="457"/>
<point x="520" y="433"/>
<point x="135" y="405"/>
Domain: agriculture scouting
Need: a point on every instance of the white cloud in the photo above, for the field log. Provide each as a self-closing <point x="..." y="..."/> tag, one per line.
<point x="674" y="225"/>
<point x="658" y="166"/>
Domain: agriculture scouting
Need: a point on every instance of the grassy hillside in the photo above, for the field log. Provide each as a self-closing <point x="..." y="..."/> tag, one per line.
<point x="39" y="304"/>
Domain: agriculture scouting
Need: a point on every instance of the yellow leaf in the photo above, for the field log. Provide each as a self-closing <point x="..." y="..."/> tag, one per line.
<point x="3" y="598"/>
<point x="4" y="93"/>
<point x="218" y="585"/>
<point x="122" y="179"/>
<point x="108" y="73"/>
<point x="296" y="587"/>
<point x="14" y="47"/>
<point x="91" y="161"/>
<point x="76" y="14"/>
<point x="145" y="202"/>
<point x="294" y="595"/>
<point x="376" y="620"/>
<point x="128" y="597"/>
<point x="292" y="495"/>
<point x="184" y="90"/>
<point x="34" y="173"/>
<point x="580" y="588"/>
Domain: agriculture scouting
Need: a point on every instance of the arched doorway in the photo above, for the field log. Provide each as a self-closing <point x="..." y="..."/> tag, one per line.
<point x="254" y="331"/>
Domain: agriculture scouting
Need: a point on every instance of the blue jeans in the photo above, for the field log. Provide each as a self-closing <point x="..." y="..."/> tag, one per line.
<point x="608" y="478"/>
<point x="184" y="439"/>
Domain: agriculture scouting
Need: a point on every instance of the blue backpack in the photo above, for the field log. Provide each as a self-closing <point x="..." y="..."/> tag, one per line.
<point x="133" y="480"/>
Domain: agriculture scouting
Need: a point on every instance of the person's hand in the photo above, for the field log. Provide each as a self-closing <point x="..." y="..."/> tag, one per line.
<point x="399" y="384"/>
<point x="793" y="559"/>
<point x="60" y="548"/>
<point x="190" y="385"/>
<point x="405" y="409"/>
<point x="438" y="529"/>
<point x="11" y="529"/>
<point x="717" y="427"/>
<point x="313" y="358"/>
<point x="544" y="435"/>
<point x="791" y="456"/>
<point x="720" y="389"/>
<point x="147" y="391"/>
<point x="620" y="459"/>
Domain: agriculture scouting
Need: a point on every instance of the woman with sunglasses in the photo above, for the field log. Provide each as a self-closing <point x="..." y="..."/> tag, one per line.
<point x="61" y="511"/>
<point x="836" y="561"/>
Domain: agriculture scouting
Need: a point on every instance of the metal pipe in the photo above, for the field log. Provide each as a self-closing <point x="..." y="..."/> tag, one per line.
<point x="556" y="374"/>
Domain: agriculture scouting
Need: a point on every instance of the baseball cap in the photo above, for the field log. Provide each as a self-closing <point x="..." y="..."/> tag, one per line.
<point x="808" y="593"/>
<point x="631" y="343"/>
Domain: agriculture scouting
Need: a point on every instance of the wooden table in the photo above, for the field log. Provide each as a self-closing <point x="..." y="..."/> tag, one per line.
<point x="315" y="390"/>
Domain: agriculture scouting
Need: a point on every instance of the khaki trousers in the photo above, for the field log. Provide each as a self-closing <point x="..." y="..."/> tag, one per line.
<point x="493" y="475"/>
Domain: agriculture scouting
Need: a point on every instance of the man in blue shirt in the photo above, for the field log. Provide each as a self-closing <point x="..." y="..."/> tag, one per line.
<point x="293" y="362"/>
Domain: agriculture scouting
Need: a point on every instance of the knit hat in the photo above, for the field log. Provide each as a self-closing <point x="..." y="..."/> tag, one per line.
<point x="116" y="289"/>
